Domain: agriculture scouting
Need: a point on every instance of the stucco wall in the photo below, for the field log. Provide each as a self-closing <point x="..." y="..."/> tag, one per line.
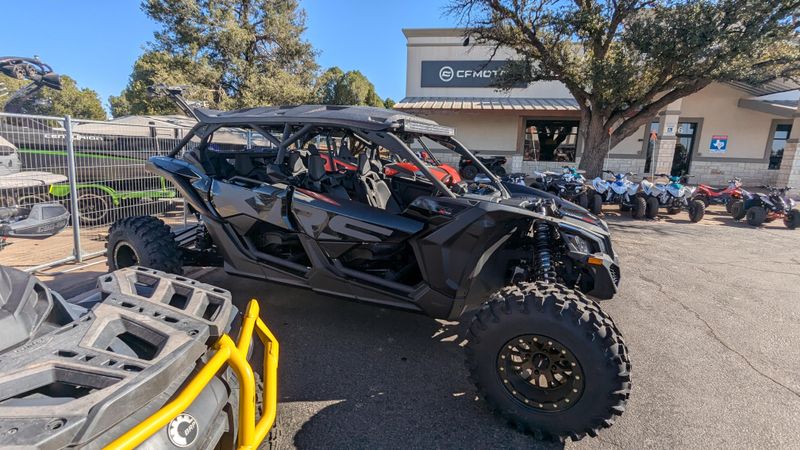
<point x="489" y="132"/>
<point x="747" y="130"/>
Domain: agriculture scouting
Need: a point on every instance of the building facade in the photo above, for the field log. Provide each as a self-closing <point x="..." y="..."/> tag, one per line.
<point x="720" y="132"/>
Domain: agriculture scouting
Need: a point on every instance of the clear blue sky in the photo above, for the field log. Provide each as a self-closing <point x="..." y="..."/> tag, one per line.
<point x="97" y="41"/>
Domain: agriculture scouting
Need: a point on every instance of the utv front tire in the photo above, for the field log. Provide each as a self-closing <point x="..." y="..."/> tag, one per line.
<point x="639" y="208"/>
<point x="756" y="216"/>
<point x="549" y="361"/>
<point x="143" y="241"/>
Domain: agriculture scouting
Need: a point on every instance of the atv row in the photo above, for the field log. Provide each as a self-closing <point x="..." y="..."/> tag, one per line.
<point x="760" y="208"/>
<point x="517" y="263"/>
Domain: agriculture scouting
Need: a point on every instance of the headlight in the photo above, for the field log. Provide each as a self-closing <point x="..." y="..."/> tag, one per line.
<point x="580" y="244"/>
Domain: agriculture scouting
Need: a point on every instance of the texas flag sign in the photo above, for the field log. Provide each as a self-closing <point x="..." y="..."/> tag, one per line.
<point x="719" y="143"/>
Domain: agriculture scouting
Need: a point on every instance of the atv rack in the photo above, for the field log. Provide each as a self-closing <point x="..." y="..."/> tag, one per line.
<point x="251" y="432"/>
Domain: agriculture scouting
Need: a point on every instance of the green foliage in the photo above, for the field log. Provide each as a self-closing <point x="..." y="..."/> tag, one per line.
<point x="389" y="103"/>
<point x="624" y="60"/>
<point x="235" y="53"/>
<point x="335" y="87"/>
<point x="70" y="100"/>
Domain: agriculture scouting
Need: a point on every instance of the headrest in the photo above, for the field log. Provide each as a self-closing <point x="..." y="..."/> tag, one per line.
<point x="316" y="167"/>
<point x="363" y="164"/>
<point x="312" y="149"/>
<point x="344" y="151"/>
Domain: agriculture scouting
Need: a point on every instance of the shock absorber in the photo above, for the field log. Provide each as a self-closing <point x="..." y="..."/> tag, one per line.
<point x="542" y="247"/>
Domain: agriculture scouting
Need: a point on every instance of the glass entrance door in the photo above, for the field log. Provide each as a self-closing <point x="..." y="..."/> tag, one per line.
<point x="684" y="148"/>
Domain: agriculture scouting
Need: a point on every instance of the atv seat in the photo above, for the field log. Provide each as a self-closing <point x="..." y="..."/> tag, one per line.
<point x="371" y="189"/>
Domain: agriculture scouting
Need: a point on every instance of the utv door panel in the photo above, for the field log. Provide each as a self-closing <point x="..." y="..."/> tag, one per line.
<point x="324" y="218"/>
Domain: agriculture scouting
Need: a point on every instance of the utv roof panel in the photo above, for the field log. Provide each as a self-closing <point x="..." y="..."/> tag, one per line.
<point x="365" y="117"/>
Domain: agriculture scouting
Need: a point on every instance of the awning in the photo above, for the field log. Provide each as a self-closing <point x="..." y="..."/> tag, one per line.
<point x="772" y="87"/>
<point x="782" y="108"/>
<point x="488" y="103"/>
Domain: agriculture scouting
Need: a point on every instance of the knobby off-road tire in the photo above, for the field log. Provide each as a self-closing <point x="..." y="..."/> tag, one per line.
<point x="500" y="171"/>
<point x="792" y="220"/>
<point x="651" y="211"/>
<point x="144" y="241"/>
<point x="728" y="206"/>
<point x="639" y="208"/>
<point x="529" y="326"/>
<point x="697" y="209"/>
<point x="596" y="204"/>
<point x="737" y="210"/>
<point x="583" y="200"/>
<point x="756" y="215"/>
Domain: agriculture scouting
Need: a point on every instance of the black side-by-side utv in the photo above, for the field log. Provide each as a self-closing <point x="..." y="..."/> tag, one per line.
<point x="518" y="265"/>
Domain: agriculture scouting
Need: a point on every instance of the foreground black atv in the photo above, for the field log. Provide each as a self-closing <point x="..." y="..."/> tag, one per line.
<point x="542" y="354"/>
<point x="139" y="360"/>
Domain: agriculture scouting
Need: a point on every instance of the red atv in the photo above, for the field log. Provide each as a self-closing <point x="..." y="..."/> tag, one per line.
<point x="448" y="174"/>
<point x="727" y="196"/>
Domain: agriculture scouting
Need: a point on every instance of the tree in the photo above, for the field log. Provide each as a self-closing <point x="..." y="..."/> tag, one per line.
<point x="625" y="60"/>
<point x="70" y="100"/>
<point x="389" y="103"/>
<point x="335" y="87"/>
<point x="236" y="53"/>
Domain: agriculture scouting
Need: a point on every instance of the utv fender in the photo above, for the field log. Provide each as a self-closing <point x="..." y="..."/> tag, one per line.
<point x="190" y="181"/>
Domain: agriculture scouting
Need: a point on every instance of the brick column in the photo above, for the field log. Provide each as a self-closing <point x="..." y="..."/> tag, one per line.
<point x="664" y="147"/>
<point x="789" y="173"/>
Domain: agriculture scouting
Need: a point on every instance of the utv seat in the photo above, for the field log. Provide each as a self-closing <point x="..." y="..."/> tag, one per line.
<point x="318" y="180"/>
<point x="345" y="154"/>
<point x="371" y="189"/>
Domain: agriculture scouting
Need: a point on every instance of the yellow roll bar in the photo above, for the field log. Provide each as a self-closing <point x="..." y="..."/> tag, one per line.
<point x="251" y="434"/>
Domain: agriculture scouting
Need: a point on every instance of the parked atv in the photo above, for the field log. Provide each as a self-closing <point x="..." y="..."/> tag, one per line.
<point x="570" y="185"/>
<point x="517" y="266"/>
<point x="619" y="191"/>
<point x="775" y="204"/>
<point x="674" y="196"/>
<point x="139" y="361"/>
<point x="727" y="196"/>
<point x="468" y="168"/>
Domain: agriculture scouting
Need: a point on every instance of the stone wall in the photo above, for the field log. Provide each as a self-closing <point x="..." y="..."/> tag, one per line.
<point x="718" y="173"/>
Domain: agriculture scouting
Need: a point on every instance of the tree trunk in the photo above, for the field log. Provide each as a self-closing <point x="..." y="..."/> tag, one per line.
<point x="595" y="147"/>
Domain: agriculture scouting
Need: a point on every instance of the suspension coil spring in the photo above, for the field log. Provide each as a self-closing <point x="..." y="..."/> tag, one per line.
<point x="543" y="252"/>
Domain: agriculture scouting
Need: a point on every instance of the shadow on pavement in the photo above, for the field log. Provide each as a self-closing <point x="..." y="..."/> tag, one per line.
<point x="360" y="376"/>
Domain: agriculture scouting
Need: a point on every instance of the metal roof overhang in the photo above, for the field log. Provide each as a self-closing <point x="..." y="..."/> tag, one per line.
<point x="487" y="104"/>
<point x="782" y="108"/>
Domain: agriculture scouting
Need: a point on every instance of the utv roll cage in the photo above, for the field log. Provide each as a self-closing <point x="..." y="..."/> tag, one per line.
<point x="288" y="126"/>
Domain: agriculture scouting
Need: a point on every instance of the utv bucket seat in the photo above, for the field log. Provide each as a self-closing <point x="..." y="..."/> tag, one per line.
<point x="371" y="189"/>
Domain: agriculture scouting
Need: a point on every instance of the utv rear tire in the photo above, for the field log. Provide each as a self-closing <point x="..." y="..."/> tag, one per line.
<point x="639" y="208"/>
<point x="756" y="215"/>
<point x="697" y="209"/>
<point x="596" y="204"/>
<point x="792" y="219"/>
<point x="541" y="322"/>
<point x="469" y="172"/>
<point x="143" y="241"/>
<point x="652" y="208"/>
<point x="500" y="171"/>
<point x="737" y="210"/>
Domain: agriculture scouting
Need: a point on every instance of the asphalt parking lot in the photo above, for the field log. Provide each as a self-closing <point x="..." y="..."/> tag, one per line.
<point x="709" y="311"/>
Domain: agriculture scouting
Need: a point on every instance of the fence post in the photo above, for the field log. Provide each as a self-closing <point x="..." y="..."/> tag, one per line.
<point x="72" y="172"/>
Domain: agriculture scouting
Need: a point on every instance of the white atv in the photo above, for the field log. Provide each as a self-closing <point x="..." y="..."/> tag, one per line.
<point x="673" y="195"/>
<point x="620" y="191"/>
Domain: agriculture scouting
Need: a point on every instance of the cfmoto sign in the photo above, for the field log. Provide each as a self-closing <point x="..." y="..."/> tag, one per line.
<point x="462" y="73"/>
<point x="446" y="74"/>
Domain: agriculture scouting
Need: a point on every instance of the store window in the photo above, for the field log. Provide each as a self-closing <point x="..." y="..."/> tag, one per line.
<point x="779" y="138"/>
<point x="550" y="140"/>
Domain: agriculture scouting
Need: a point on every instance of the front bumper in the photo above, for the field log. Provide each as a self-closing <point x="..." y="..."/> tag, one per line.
<point x="604" y="273"/>
<point x="225" y="352"/>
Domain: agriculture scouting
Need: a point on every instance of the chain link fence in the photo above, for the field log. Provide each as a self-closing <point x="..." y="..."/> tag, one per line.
<point x="95" y="170"/>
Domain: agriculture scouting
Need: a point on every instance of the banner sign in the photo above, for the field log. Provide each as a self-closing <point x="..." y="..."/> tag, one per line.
<point x="482" y="74"/>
